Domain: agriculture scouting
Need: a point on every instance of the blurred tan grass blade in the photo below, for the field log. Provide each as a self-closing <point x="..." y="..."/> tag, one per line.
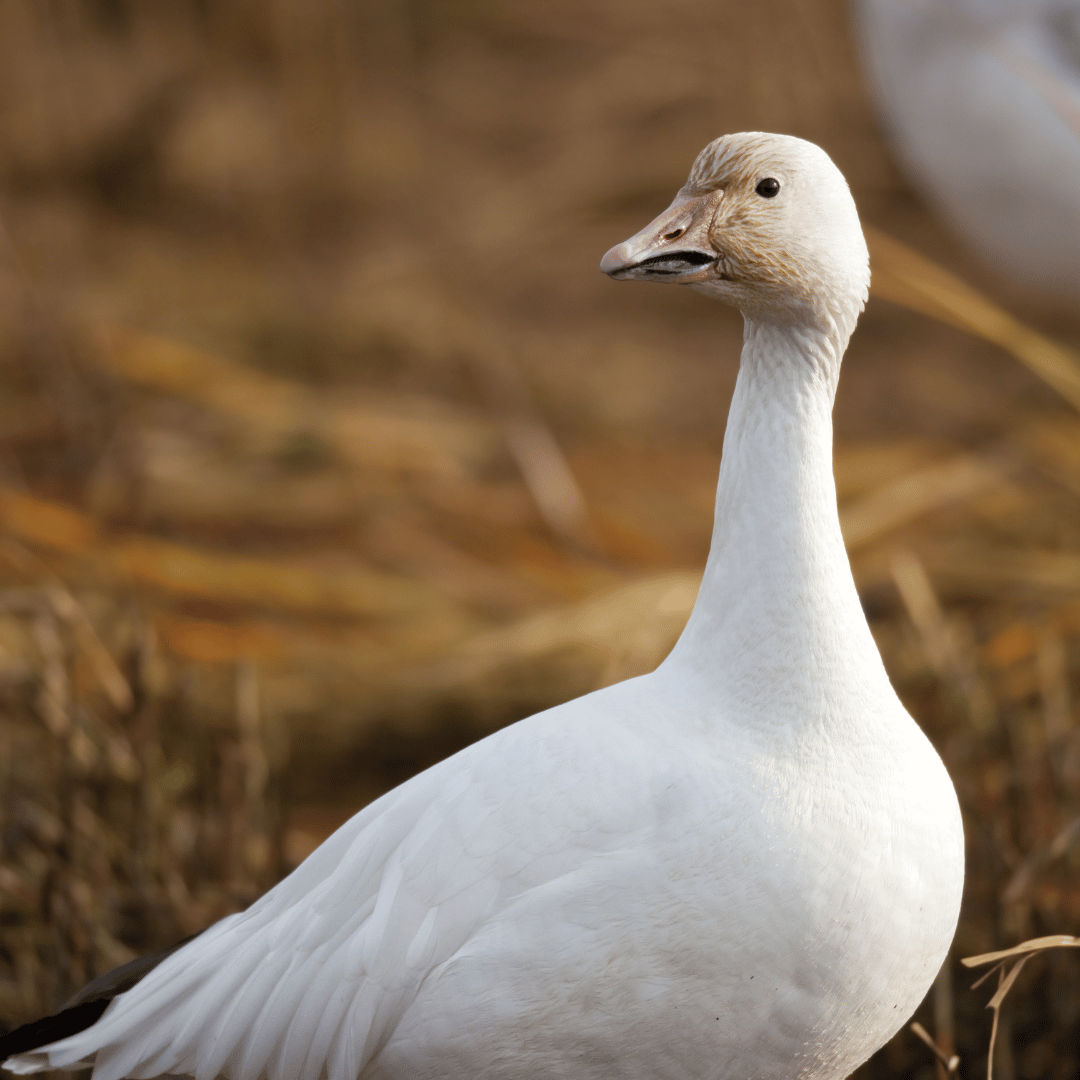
<point x="535" y="450"/>
<point x="65" y="607"/>
<point x="419" y="552"/>
<point x="989" y="571"/>
<point x="910" y="279"/>
<point x="915" y="494"/>
<point x="420" y="435"/>
<point x="1052" y="445"/>
<point x="1019" y="885"/>
<point x="37" y="521"/>
<point x="1021" y="953"/>
<point x="246" y="580"/>
<point x="626" y="631"/>
<point x="108" y="674"/>
<point x="939" y="641"/>
<point x="219" y="642"/>
<point x="549" y="478"/>
<point x="53" y="697"/>
<point x="207" y="575"/>
<point x="1052" y="665"/>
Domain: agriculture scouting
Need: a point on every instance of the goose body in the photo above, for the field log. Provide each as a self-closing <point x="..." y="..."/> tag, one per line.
<point x="747" y="863"/>
<point x="981" y="99"/>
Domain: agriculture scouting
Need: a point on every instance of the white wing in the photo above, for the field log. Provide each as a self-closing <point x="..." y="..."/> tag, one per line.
<point x="314" y="977"/>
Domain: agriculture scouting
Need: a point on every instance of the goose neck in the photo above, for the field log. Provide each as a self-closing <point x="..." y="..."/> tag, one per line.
<point x="778" y="613"/>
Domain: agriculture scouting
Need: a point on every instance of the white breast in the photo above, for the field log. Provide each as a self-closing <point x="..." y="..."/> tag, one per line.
<point x="751" y="909"/>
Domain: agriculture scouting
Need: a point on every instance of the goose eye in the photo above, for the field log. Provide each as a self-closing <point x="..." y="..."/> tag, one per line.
<point x="768" y="187"/>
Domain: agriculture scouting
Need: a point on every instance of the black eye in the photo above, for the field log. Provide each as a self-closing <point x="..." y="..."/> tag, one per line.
<point x="768" y="187"/>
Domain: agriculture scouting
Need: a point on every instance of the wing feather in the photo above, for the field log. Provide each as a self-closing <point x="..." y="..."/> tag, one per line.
<point x="289" y="1062"/>
<point x="167" y="1061"/>
<point x="230" y="1025"/>
<point x="328" y="1023"/>
<point x="314" y="978"/>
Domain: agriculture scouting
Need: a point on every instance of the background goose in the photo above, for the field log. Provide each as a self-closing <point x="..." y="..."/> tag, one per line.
<point x="982" y="101"/>
<point x="748" y="862"/>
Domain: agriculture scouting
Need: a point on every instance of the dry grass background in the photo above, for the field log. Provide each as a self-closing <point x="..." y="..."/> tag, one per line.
<point x="325" y="448"/>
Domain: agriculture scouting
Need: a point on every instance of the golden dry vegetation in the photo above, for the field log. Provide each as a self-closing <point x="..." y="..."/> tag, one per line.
<point x="325" y="449"/>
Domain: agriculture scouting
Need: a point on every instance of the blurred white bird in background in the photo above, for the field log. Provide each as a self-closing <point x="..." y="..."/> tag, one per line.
<point x="981" y="99"/>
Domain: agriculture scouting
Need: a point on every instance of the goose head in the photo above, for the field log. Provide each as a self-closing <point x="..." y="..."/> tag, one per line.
<point x="764" y="222"/>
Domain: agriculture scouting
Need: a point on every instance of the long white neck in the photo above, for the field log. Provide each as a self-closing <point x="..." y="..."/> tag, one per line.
<point x="778" y="624"/>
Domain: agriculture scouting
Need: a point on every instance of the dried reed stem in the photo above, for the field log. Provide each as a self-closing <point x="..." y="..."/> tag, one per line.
<point x="939" y="638"/>
<point x="1007" y="976"/>
<point x="912" y="280"/>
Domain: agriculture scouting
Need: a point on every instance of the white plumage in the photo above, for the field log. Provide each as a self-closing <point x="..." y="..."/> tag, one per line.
<point x="747" y="863"/>
<point x="982" y="101"/>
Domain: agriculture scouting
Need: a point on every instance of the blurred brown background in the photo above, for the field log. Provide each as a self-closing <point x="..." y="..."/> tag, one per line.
<point x="326" y="449"/>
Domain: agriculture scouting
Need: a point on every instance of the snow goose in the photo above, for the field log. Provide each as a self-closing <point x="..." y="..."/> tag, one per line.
<point x="747" y="863"/>
<point x="982" y="101"/>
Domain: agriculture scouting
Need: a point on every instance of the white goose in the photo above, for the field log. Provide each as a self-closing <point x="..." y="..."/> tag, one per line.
<point x="747" y="863"/>
<point x="982" y="101"/>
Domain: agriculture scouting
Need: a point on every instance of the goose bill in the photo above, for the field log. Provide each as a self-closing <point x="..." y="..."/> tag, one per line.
<point x="673" y="248"/>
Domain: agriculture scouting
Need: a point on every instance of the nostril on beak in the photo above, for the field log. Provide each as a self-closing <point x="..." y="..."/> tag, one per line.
<point x="674" y="234"/>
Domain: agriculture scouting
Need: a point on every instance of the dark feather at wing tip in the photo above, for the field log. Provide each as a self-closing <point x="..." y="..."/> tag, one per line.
<point x="51" y="1028"/>
<point x="124" y="977"/>
<point x="84" y="1008"/>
